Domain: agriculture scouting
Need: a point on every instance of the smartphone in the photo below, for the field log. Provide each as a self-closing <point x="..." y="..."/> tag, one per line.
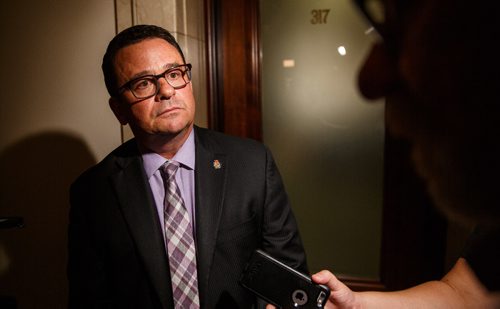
<point x="281" y="285"/>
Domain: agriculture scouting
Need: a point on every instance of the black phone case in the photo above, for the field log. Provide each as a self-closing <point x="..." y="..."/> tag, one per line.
<point x="282" y="285"/>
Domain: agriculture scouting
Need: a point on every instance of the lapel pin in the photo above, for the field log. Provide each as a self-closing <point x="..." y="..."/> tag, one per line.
<point x="217" y="164"/>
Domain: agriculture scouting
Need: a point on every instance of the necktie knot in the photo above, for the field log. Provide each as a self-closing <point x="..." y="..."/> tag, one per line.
<point x="169" y="169"/>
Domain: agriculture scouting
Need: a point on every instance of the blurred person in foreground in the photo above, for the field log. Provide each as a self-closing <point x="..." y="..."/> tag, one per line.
<point x="437" y="65"/>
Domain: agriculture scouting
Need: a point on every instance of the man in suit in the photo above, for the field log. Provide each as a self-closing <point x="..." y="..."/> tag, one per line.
<point x="230" y="187"/>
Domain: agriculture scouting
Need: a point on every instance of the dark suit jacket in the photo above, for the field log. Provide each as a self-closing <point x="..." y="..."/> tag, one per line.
<point x="117" y="257"/>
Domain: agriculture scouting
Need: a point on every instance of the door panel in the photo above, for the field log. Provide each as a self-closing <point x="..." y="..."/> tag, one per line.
<point x="328" y="142"/>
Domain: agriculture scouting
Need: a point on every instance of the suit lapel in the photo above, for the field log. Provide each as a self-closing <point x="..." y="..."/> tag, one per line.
<point x="211" y="169"/>
<point x="137" y="205"/>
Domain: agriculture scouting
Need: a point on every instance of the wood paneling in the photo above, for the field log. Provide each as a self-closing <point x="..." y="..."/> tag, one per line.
<point x="233" y="74"/>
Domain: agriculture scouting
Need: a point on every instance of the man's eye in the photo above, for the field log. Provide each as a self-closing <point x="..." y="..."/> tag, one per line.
<point x="174" y="74"/>
<point x="142" y="84"/>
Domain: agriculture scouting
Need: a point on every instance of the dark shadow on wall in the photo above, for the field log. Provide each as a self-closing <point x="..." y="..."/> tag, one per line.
<point x="35" y="175"/>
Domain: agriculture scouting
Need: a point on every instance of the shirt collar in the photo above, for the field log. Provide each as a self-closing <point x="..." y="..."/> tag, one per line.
<point x="185" y="156"/>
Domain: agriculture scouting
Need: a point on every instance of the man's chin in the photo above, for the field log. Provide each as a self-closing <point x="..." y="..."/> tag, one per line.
<point x="463" y="198"/>
<point x="430" y="165"/>
<point x="174" y="129"/>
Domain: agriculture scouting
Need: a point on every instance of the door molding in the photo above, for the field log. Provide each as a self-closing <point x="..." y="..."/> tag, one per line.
<point x="234" y="67"/>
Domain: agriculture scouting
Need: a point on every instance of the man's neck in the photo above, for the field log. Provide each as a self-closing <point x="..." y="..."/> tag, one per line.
<point x="164" y="145"/>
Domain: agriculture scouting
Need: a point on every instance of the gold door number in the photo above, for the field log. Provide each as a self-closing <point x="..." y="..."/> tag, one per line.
<point x="319" y="16"/>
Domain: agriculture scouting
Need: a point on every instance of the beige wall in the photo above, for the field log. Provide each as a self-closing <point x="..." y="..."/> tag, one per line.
<point x="55" y="122"/>
<point x="51" y="80"/>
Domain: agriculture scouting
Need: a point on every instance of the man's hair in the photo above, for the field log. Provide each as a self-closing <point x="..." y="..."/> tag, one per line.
<point x="129" y="36"/>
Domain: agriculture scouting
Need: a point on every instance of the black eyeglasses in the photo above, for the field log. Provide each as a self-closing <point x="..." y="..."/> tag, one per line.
<point x="375" y="13"/>
<point x="388" y="19"/>
<point x="147" y="86"/>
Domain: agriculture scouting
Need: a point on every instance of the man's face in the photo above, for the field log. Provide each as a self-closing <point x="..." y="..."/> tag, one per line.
<point x="439" y="98"/>
<point x="171" y="111"/>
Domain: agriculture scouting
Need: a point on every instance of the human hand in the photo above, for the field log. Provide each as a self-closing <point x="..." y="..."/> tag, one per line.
<point x="341" y="297"/>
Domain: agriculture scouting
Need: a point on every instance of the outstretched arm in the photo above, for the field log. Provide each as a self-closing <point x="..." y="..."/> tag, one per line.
<point x="459" y="288"/>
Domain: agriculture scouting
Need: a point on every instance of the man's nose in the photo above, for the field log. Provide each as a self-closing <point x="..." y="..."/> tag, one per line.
<point x="165" y="89"/>
<point x="378" y="75"/>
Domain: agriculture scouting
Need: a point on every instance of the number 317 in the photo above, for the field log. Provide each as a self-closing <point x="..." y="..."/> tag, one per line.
<point x="319" y="16"/>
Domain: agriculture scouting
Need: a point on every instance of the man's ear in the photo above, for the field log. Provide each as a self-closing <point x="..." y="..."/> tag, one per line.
<point x="117" y="108"/>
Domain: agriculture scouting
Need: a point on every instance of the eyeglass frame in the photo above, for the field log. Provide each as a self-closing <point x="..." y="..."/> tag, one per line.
<point x="361" y="5"/>
<point x="389" y="34"/>
<point x="187" y="71"/>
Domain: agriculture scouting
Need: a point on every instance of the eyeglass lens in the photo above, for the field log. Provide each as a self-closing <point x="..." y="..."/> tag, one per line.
<point x="148" y="86"/>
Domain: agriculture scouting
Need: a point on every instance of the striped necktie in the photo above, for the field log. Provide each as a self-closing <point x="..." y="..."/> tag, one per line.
<point x="180" y="242"/>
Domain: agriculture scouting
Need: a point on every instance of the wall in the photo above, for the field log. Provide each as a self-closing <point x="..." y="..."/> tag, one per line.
<point x="51" y="80"/>
<point x="55" y="122"/>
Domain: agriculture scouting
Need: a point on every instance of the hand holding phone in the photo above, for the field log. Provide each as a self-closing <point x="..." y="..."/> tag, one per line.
<point x="282" y="285"/>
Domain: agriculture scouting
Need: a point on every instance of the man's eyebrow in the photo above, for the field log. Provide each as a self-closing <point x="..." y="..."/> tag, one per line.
<point x="171" y="65"/>
<point x="150" y="72"/>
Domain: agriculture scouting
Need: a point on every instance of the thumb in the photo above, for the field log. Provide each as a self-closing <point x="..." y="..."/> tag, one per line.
<point x="326" y="277"/>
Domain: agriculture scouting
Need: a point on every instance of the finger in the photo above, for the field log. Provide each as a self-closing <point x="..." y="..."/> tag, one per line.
<point x="329" y="279"/>
<point x="323" y="277"/>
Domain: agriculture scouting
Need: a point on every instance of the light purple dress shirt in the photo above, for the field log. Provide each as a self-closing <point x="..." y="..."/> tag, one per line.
<point x="184" y="178"/>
